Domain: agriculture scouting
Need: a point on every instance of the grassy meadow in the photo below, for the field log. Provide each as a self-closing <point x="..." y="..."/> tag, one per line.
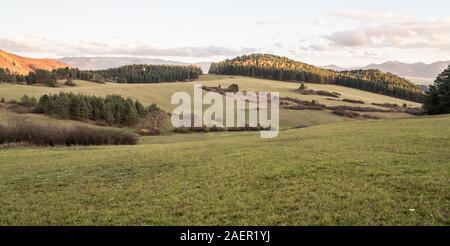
<point x="161" y="95"/>
<point x="385" y="172"/>
<point x="334" y="171"/>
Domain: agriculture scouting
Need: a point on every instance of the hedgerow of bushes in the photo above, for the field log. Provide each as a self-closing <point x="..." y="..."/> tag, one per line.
<point x="52" y="135"/>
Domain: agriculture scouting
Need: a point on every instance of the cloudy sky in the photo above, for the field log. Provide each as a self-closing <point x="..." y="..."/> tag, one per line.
<point x="320" y="32"/>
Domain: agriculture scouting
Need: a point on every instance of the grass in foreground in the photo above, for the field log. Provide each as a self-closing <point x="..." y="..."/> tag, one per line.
<point x="355" y="173"/>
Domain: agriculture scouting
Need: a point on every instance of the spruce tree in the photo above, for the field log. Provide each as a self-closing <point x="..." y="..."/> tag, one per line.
<point x="438" y="97"/>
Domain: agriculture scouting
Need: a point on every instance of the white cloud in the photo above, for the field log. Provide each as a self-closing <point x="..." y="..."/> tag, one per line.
<point x="31" y="44"/>
<point x="433" y="34"/>
<point x="324" y="22"/>
<point x="349" y="38"/>
<point x="266" y="22"/>
<point x="371" y="16"/>
<point x="278" y="45"/>
<point x="317" y="47"/>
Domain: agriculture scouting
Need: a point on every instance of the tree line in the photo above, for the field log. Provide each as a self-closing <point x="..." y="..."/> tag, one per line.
<point x="151" y="73"/>
<point x="374" y="80"/>
<point x="113" y="110"/>
<point x="7" y="76"/>
<point x="125" y="74"/>
<point x="273" y="67"/>
<point x="49" y="78"/>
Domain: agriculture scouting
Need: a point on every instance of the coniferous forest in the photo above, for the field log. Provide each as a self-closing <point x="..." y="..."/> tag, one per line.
<point x="273" y="67"/>
<point x="113" y="110"/>
<point x="126" y="74"/>
<point x="150" y="73"/>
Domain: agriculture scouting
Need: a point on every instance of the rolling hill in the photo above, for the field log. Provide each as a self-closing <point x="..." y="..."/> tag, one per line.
<point x="161" y="93"/>
<point x="268" y="66"/>
<point x="417" y="71"/>
<point x="24" y="65"/>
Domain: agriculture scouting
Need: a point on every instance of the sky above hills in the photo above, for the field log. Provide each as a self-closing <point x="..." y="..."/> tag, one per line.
<point x="343" y="32"/>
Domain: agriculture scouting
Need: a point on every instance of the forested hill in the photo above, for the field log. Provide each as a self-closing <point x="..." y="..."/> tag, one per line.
<point x="150" y="73"/>
<point x="23" y="65"/>
<point x="273" y="67"/>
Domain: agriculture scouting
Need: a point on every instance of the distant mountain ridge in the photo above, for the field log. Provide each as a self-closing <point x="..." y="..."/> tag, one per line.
<point x="407" y="70"/>
<point x="99" y="63"/>
<point x="24" y="65"/>
<point x="334" y="67"/>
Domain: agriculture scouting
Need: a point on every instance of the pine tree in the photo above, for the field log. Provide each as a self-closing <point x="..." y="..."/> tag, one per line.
<point x="140" y="109"/>
<point x="302" y="87"/>
<point x="438" y="97"/>
<point x="154" y="109"/>
<point x="112" y="110"/>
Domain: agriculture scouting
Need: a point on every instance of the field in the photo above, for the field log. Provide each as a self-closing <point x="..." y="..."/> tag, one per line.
<point x="162" y="93"/>
<point x="335" y="171"/>
<point x="388" y="172"/>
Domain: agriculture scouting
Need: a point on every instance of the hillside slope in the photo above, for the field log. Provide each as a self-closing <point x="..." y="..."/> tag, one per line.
<point x="161" y="93"/>
<point x="24" y="65"/>
<point x="358" y="173"/>
<point x="268" y="66"/>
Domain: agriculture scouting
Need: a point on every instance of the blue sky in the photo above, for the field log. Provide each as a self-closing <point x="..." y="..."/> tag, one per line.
<point x="342" y="32"/>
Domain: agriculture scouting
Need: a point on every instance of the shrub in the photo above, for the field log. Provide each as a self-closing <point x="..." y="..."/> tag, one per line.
<point x="298" y="104"/>
<point x="154" y="109"/>
<point x="217" y="129"/>
<point x="359" y="109"/>
<point x="182" y="130"/>
<point x="70" y="82"/>
<point x="233" y="88"/>
<point x="151" y="124"/>
<point x="353" y="101"/>
<point x="28" y="101"/>
<point x="303" y="90"/>
<point x="344" y="113"/>
<point x="388" y="105"/>
<point x="302" y="87"/>
<point x="51" y="135"/>
<point x="149" y="132"/>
